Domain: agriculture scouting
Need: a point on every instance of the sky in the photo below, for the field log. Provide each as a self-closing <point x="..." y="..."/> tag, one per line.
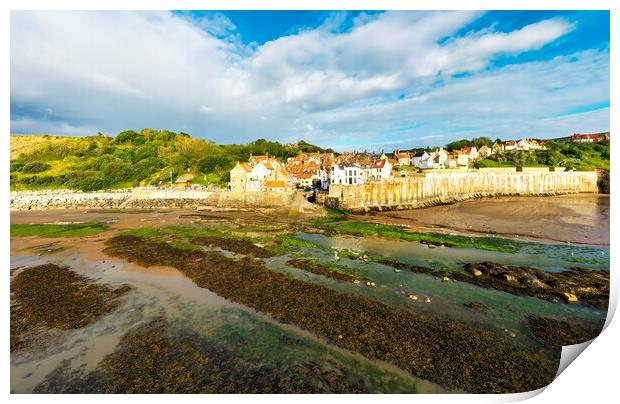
<point x="347" y="80"/>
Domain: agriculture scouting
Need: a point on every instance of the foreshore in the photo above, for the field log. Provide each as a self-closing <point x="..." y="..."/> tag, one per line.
<point x="577" y="218"/>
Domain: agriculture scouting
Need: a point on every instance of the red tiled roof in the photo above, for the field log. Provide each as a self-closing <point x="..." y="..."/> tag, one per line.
<point x="275" y="184"/>
<point x="378" y="163"/>
<point x="586" y="136"/>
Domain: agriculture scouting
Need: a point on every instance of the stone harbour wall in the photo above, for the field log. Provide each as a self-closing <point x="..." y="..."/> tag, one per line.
<point x="427" y="189"/>
<point x="146" y="198"/>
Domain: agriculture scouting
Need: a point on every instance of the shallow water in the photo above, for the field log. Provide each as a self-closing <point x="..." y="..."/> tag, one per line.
<point x="191" y="309"/>
<point x="549" y="257"/>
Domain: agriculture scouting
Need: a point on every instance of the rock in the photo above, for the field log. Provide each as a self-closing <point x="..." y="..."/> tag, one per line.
<point x="512" y="334"/>
<point x="373" y="284"/>
<point x="476" y="272"/>
<point x="446" y="279"/>
<point x="538" y="283"/>
<point x="570" y="297"/>
<point x="357" y="282"/>
<point x="427" y="299"/>
<point x="396" y="270"/>
<point x="432" y="246"/>
<point x="509" y="278"/>
<point x="340" y="336"/>
<point x="413" y="297"/>
<point x="367" y="283"/>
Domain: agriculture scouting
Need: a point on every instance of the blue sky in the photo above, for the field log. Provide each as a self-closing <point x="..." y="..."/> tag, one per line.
<point x="349" y="80"/>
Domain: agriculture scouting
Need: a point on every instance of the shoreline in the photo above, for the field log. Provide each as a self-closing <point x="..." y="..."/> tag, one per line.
<point x="581" y="219"/>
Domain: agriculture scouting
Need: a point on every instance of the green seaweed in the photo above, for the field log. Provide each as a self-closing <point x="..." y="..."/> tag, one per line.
<point x="58" y="230"/>
<point x="363" y="229"/>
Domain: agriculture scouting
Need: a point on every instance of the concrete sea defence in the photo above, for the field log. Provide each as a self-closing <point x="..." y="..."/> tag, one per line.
<point x="146" y="198"/>
<point x="427" y="189"/>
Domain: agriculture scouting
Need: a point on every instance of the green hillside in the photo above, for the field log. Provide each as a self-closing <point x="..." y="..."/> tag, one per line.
<point x="132" y="158"/>
<point x="560" y="152"/>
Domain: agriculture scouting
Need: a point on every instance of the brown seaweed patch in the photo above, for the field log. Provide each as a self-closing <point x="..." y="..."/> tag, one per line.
<point x="319" y="269"/>
<point x="476" y="306"/>
<point x="448" y="352"/>
<point x="590" y="286"/>
<point x="238" y="246"/>
<point x="555" y="332"/>
<point x="154" y="359"/>
<point x="56" y="297"/>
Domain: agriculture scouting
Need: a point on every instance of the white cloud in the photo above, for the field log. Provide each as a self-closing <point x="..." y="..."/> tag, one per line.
<point x="108" y="71"/>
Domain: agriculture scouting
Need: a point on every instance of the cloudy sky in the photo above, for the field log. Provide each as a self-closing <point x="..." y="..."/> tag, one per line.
<point x="341" y="79"/>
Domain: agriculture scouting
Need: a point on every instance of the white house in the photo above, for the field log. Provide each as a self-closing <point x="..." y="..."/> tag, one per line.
<point x="256" y="177"/>
<point x="523" y="144"/>
<point x="510" y="145"/>
<point x="417" y="158"/>
<point x="429" y="162"/>
<point x="462" y="159"/>
<point x="440" y="156"/>
<point x="380" y="169"/>
<point x="350" y="174"/>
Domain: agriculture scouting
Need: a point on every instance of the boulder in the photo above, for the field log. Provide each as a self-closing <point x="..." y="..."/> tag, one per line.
<point x="570" y="297"/>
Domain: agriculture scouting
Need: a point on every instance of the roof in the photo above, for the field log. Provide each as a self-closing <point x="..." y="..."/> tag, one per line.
<point x="274" y="184"/>
<point x="419" y="154"/>
<point x="245" y="167"/>
<point x="402" y="155"/>
<point x="510" y="143"/>
<point x="378" y="163"/>
<point x="586" y="136"/>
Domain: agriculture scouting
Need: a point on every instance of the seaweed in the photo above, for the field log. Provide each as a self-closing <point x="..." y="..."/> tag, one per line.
<point x="56" y="297"/>
<point x="449" y="352"/>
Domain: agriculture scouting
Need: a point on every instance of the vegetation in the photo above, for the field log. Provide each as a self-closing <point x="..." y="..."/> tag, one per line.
<point x="364" y="229"/>
<point x="58" y="230"/>
<point x="478" y="142"/>
<point x="132" y="158"/>
<point x="56" y="297"/>
<point x="559" y="153"/>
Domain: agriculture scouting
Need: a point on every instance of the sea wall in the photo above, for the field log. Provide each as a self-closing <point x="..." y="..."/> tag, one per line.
<point x="67" y="199"/>
<point x="426" y="189"/>
<point x="147" y="198"/>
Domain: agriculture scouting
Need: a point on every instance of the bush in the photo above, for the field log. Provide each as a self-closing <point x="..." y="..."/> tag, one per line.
<point x="35" y="167"/>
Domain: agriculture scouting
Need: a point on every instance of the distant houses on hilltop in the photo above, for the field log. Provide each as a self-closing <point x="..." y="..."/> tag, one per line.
<point x="590" y="137"/>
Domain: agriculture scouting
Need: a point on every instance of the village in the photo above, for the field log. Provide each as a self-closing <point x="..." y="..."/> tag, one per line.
<point x="316" y="171"/>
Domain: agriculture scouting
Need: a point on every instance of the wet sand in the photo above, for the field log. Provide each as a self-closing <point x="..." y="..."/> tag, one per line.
<point x="582" y="219"/>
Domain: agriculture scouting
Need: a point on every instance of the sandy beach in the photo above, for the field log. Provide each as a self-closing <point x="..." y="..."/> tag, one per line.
<point x="582" y="219"/>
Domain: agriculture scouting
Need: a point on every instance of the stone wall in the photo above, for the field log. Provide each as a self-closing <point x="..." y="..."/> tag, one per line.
<point x="147" y="198"/>
<point x="426" y="189"/>
<point x="67" y="199"/>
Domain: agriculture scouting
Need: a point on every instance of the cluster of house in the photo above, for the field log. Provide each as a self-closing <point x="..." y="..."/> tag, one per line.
<point x="319" y="170"/>
<point x="589" y="137"/>
<point x="260" y="173"/>
<point x="309" y="170"/>
<point x="440" y="158"/>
